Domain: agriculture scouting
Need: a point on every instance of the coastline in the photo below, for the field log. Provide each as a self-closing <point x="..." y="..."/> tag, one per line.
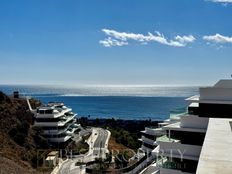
<point x="125" y="123"/>
<point x="141" y="103"/>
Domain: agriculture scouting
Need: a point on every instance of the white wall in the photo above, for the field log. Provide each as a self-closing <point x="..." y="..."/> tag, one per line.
<point x="193" y="121"/>
<point x="179" y="150"/>
<point x="212" y="93"/>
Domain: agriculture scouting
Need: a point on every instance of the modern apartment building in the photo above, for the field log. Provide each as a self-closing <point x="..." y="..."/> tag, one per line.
<point x="199" y="141"/>
<point x="151" y="134"/>
<point x="57" y="121"/>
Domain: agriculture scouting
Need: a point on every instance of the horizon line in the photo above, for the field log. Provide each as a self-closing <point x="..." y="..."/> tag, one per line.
<point x="104" y="85"/>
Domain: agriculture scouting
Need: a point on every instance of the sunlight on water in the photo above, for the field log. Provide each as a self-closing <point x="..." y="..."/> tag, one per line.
<point x="112" y="90"/>
<point x="124" y="102"/>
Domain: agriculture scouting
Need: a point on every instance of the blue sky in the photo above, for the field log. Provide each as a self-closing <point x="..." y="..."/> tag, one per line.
<point x="78" y="42"/>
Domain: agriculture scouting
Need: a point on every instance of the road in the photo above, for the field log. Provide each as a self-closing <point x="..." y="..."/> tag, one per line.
<point x="99" y="147"/>
<point x="65" y="168"/>
<point x="68" y="167"/>
<point x="98" y="143"/>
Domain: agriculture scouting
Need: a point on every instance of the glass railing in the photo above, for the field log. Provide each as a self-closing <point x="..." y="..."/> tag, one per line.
<point x="177" y="113"/>
<point x="180" y="166"/>
<point x="169" y="165"/>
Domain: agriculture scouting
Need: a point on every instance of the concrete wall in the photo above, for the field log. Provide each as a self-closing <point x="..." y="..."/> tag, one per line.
<point x="179" y="150"/>
<point x="193" y="121"/>
<point x="215" y="93"/>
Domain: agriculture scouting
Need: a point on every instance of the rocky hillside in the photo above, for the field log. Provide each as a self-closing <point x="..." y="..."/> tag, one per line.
<point x="18" y="140"/>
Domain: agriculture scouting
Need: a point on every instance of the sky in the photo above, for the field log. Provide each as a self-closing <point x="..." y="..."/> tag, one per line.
<point x="76" y="42"/>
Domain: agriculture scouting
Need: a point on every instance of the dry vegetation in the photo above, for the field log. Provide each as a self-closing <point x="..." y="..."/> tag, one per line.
<point x="19" y="141"/>
<point x="115" y="147"/>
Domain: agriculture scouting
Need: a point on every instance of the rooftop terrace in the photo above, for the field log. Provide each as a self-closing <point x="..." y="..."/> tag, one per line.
<point x="216" y="154"/>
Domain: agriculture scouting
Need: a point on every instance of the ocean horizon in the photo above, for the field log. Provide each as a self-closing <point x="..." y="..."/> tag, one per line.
<point x="139" y="102"/>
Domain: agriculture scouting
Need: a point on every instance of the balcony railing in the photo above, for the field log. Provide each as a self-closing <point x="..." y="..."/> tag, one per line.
<point x="57" y="112"/>
<point x="60" y="131"/>
<point x="60" y="139"/>
<point x="154" y="131"/>
<point x="59" y="123"/>
<point x="176" y="114"/>
<point x="66" y="120"/>
<point x="146" y="149"/>
<point x="172" y="171"/>
<point x="178" y="150"/>
<point x="148" y="141"/>
<point x="172" y="165"/>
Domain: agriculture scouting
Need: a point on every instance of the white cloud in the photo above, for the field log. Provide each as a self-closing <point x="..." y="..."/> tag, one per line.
<point x="121" y="38"/>
<point x="108" y="42"/>
<point x="218" y="38"/>
<point x="221" y="1"/>
<point x="184" y="39"/>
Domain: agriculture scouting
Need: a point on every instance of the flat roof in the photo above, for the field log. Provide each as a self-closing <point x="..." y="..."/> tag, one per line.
<point x="224" y="83"/>
<point x="216" y="154"/>
<point x="177" y="127"/>
<point x="196" y="99"/>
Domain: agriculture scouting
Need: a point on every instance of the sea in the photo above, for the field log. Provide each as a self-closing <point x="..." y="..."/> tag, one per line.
<point x="128" y="102"/>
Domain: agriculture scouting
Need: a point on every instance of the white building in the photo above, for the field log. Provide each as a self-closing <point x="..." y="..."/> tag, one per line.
<point x="151" y="135"/>
<point x="193" y="144"/>
<point x="57" y="121"/>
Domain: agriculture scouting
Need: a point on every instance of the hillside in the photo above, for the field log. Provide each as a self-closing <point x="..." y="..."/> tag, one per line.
<point x="19" y="141"/>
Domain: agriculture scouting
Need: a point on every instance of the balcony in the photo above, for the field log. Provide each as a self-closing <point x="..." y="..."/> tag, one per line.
<point x="176" y="166"/>
<point x="54" y="131"/>
<point x="54" y="114"/>
<point x="153" y="131"/>
<point x="76" y="125"/>
<point x="172" y="171"/>
<point x="148" y="141"/>
<point x="60" y="131"/>
<point x="146" y="149"/>
<point x="65" y="120"/>
<point x="178" y="150"/>
<point x="71" y="131"/>
<point x="60" y="139"/>
<point x="165" y="138"/>
<point x="57" y="112"/>
<point x="165" y="123"/>
<point x="186" y="126"/>
<point x="195" y="122"/>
